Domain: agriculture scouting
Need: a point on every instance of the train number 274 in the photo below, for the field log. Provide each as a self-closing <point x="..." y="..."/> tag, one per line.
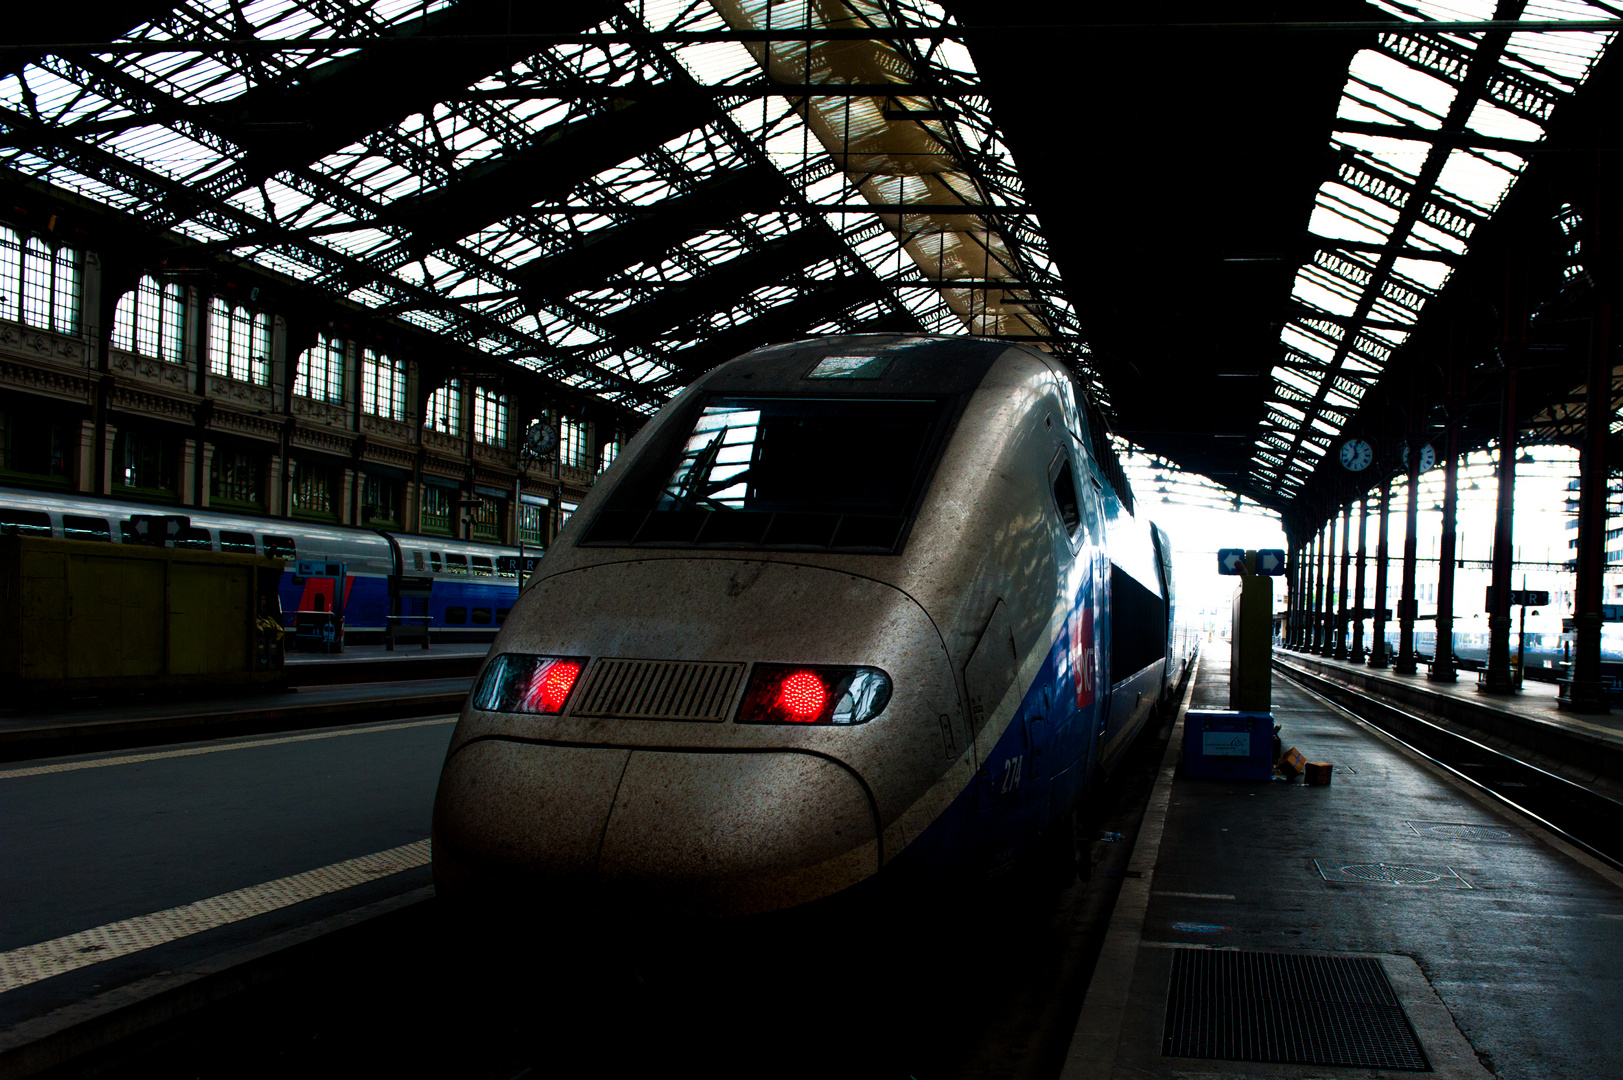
<point x="1011" y="774"/>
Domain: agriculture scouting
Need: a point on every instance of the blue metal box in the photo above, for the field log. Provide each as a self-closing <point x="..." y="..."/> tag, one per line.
<point x="1226" y="745"/>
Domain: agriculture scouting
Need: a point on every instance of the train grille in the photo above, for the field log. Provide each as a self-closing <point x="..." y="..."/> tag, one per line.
<point x="659" y="690"/>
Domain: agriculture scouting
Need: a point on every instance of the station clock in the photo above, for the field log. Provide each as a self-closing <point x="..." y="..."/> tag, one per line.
<point x="1356" y="454"/>
<point x="1428" y="457"/>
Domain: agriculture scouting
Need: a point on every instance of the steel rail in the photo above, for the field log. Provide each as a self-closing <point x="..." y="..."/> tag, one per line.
<point x="1577" y="814"/>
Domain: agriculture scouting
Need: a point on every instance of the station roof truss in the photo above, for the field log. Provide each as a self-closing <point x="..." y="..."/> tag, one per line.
<point x="615" y="195"/>
<point x="1433" y="129"/>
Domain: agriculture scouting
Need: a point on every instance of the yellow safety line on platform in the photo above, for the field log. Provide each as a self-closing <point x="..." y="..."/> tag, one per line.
<point x="194" y="751"/>
<point x="31" y="963"/>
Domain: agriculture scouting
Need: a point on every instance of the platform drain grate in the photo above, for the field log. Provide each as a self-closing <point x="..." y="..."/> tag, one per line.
<point x="1437" y="877"/>
<point x="1284" y="1008"/>
<point x="1454" y="830"/>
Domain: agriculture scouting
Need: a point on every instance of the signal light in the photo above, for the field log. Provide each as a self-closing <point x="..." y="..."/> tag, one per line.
<point x="801" y="694"/>
<point x="516" y="683"/>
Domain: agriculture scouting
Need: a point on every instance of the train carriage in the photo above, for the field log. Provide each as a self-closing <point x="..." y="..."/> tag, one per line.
<point x="847" y="609"/>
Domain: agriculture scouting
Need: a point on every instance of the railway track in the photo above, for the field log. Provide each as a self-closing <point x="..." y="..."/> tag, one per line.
<point x="1581" y="816"/>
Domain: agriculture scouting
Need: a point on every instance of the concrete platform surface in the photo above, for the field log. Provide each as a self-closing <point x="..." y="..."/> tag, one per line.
<point x="122" y="870"/>
<point x="1505" y="949"/>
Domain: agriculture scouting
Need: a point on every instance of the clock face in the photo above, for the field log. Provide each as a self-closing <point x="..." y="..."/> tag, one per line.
<point x="1428" y="457"/>
<point x="1356" y="454"/>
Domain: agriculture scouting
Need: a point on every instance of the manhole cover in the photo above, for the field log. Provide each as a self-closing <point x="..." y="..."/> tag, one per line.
<point x="1456" y="830"/>
<point x="1390" y="874"/>
<point x="1237" y="1005"/>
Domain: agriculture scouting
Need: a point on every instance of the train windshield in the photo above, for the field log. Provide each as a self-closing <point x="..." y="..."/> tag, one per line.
<point x="832" y="473"/>
<point x="804" y="456"/>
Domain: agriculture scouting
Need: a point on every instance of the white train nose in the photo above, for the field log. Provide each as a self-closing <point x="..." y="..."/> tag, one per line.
<point x="720" y="833"/>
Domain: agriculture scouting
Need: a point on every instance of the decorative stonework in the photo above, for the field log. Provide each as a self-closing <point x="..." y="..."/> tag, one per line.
<point x="328" y="442"/>
<point x="135" y="399"/>
<point x="147" y="369"/>
<point x="383" y="454"/>
<point x="581" y="478"/>
<point x="382" y="428"/>
<point x="495" y="455"/>
<point x="252" y="425"/>
<point x="320" y="412"/>
<point x="57" y="384"/>
<point x="242" y="395"/>
<point x="29" y="343"/>
<point x="444" y="466"/>
<point x="446" y="444"/>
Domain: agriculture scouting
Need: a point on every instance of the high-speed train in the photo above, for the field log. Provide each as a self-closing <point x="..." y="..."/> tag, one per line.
<point x="847" y="610"/>
<point x="464" y="588"/>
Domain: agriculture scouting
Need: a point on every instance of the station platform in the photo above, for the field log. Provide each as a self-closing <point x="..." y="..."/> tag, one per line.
<point x="376" y="663"/>
<point x="1587" y="748"/>
<point x="1394" y="921"/>
<point x="34" y="732"/>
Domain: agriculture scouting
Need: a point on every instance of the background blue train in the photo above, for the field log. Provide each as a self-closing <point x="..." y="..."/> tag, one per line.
<point x="464" y="589"/>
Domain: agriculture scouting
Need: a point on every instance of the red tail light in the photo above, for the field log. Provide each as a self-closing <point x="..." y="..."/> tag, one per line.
<point x="528" y="684"/>
<point x="800" y="694"/>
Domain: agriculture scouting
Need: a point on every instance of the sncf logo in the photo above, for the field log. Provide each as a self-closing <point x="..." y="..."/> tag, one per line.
<point x="1083" y="656"/>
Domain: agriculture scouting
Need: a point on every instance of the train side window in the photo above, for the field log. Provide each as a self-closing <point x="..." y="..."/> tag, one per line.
<point x="240" y="542"/>
<point x="501" y="615"/>
<point x="456" y="616"/>
<point x="417" y="561"/>
<point x="1070" y="511"/>
<point x="507" y="566"/>
<point x="25" y="523"/>
<point x="456" y="564"/>
<point x="195" y="538"/>
<point x="481" y="615"/>
<point x="481" y="567"/>
<point x="75" y="527"/>
<point x="280" y="547"/>
<point x="434" y="561"/>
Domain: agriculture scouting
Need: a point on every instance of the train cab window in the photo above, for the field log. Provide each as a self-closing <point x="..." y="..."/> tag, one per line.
<point x="434" y="561"/>
<point x="194" y="538"/>
<point x="482" y="568"/>
<point x="25" y="523"/>
<point x="456" y="616"/>
<point x="240" y="542"/>
<point x="1070" y="511"/>
<point x="280" y="547"/>
<point x="507" y="566"/>
<point x="75" y="527"/>
<point x="481" y="615"/>
<point x="456" y="564"/>
<point x="417" y="561"/>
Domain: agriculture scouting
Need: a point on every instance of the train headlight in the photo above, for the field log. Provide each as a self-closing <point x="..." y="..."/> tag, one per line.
<point x="528" y="684"/>
<point x="801" y="694"/>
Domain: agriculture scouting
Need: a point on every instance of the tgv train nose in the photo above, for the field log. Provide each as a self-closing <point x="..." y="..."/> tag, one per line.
<point x="721" y="833"/>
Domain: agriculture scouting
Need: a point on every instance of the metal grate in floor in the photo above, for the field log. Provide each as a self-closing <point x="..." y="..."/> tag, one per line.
<point x="1435" y="877"/>
<point x="1453" y="830"/>
<point x="1286" y="1008"/>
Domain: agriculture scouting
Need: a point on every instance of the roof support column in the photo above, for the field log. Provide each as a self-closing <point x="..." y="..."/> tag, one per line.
<point x="1378" y="657"/>
<point x="1293" y="596"/>
<point x="1442" y="661"/>
<point x="1585" y="692"/>
<point x="1328" y="587"/>
<point x="1361" y="606"/>
<point x="1496" y="679"/>
<point x="1304" y="630"/>
<point x="1341" y="593"/>
<point x="1405" y="663"/>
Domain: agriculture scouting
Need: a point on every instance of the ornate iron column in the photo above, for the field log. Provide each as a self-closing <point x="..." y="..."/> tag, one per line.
<point x="1341" y="598"/>
<point x="1442" y="663"/>
<point x="1378" y="653"/>
<point x="1361" y="608"/>
<point x="1327" y="643"/>
<point x="1405" y="662"/>
<point x="1586" y="691"/>
<point x="1497" y="677"/>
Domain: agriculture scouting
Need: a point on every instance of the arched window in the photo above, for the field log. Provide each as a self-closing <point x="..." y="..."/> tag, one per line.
<point x="574" y="445"/>
<point x="40" y="284"/>
<point x="149" y="320"/>
<point x="321" y="371"/>
<point x="445" y="409"/>
<point x="383" y="385"/>
<point x="490" y="417"/>
<point x="606" y="456"/>
<point x="239" y="343"/>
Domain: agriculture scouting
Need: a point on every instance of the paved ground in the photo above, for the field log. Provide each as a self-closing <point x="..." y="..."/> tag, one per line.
<point x="94" y="841"/>
<point x="1520" y="941"/>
